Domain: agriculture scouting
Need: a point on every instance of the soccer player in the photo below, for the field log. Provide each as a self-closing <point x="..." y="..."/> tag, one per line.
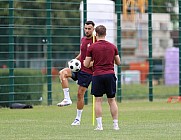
<point x="84" y="76"/>
<point x="104" y="54"/>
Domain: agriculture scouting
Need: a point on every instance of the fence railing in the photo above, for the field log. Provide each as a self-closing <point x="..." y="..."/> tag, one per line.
<point x="37" y="38"/>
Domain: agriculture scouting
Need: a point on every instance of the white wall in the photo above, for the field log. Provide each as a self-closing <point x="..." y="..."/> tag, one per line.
<point x="102" y="12"/>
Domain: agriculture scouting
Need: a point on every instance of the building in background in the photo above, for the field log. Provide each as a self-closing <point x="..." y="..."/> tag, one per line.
<point x="135" y="37"/>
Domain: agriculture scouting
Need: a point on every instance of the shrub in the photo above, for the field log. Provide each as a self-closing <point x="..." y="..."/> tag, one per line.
<point x="28" y="86"/>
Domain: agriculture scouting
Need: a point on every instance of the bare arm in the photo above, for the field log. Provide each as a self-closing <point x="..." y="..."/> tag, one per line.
<point x="87" y="62"/>
<point x="117" y="60"/>
<point x="78" y="56"/>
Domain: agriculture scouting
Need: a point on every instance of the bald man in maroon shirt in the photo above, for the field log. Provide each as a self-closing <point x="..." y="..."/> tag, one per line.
<point x="104" y="54"/>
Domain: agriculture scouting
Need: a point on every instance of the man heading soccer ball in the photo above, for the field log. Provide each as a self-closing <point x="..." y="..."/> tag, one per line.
<point x="84" y="76"/>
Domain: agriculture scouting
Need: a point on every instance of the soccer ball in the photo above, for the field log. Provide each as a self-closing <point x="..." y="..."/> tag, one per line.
<point x="74" y="65"/>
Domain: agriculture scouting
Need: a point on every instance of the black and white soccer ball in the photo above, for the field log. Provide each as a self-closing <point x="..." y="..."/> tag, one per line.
<point x="74" y="65"/>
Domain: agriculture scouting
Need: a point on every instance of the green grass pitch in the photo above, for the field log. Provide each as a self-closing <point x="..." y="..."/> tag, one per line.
<point x="138" y="120"/>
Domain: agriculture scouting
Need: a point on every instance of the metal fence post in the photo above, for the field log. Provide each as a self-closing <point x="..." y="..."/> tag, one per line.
<point x="118" y="12"/>
<point x="11" y="52"/>
<point x="179" y="47"/>
<point x="85" y="19"/>
<point x="49" y="52"/>
<point x="150" y="49"/>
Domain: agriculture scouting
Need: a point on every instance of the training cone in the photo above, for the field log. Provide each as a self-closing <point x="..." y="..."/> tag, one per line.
<point x="178" y="99"/>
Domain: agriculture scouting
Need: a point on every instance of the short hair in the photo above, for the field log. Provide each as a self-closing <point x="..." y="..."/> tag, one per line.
<point x="101" y="30"/>
<point x="90" y="22"/>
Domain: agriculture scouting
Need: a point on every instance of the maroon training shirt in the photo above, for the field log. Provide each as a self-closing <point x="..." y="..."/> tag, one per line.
<point x="85" y="43"/>
<point x="102" y="53"/>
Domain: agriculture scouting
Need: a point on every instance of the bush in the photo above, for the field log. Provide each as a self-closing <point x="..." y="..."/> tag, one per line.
<point x="28" y="86"/>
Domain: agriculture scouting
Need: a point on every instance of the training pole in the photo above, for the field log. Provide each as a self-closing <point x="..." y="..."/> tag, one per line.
<point x="93" y="98"/>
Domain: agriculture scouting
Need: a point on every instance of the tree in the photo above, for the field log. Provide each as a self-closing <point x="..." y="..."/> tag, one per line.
<point x="30" y="22"/>
<point x="3" y="30"/>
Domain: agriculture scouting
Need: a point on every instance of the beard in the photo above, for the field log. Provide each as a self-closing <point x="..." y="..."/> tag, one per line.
<point x="88" y="35"/>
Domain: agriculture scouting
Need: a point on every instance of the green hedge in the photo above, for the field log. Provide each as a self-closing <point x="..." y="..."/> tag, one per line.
<point x="28" y="86"/>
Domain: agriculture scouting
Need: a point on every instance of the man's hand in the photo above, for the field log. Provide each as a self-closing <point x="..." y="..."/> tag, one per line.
<point x="91" y="64"/>
<point x="87" y="62"/>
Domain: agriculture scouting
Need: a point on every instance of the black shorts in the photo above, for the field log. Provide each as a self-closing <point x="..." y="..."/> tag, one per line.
<point x="104" y="84"/>
<point x="84" y="79"/>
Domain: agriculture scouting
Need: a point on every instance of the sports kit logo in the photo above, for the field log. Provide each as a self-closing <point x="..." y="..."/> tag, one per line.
<point x="88" y="45"/>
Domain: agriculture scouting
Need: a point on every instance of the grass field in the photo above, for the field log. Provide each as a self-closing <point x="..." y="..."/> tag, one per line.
<point x="129" y="92"/>
<point x="139" y="120"/>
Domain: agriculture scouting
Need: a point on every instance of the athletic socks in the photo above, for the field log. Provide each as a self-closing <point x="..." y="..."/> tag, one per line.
<point x="79" y="114"/>
<point x="99" y="122"/>
<point x="66" y="93"/>
<point x="115" y="122"/>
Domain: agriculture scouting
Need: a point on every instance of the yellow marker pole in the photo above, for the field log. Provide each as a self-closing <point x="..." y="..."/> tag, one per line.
<point x="93" y="99"/>
<point x="93" y="112"/>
